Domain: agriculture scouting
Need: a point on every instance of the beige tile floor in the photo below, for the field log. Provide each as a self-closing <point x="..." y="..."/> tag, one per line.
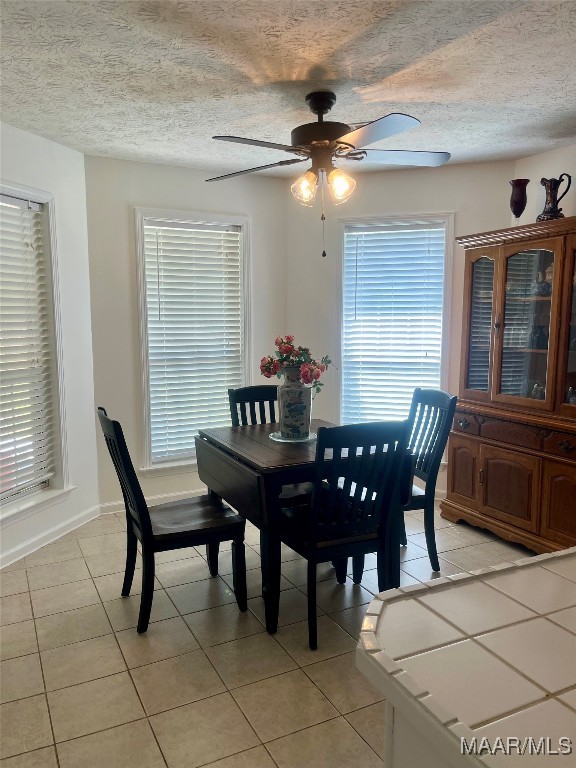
<point x="206" y="686"/>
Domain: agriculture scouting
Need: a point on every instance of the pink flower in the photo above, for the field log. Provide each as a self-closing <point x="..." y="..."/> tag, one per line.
<point x="288" y="354"/>
<point x="306" y="375"/>
<point x="269" y="366"/>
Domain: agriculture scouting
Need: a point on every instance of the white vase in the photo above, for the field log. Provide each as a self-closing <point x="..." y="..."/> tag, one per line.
<point x="294" y="405"/>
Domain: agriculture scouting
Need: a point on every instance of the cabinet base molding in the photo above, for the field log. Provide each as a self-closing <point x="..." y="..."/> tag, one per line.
<point x="455" y="514"/>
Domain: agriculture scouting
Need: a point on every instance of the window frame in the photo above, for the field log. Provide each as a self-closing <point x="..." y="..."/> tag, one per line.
<point x="190" y="217"/>
<point x="59" y="485"/>
<point x="443" y="217"/>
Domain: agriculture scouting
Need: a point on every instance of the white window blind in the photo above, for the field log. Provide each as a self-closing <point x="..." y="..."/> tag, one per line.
<point x="194" y="316"/>
<point x="392" y="318"/>
<point x="27" y="445"/>
<point x="480" y="324"/>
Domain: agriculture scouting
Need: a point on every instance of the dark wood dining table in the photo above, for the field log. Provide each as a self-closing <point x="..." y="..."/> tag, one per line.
<point x="258" y="476"/>
<point x="253" y="474"/>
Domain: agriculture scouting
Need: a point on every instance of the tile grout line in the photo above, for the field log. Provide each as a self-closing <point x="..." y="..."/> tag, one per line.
<point x="44" y="683"/>
<point x="201" y="648"/>
<point x="299" y="667"/>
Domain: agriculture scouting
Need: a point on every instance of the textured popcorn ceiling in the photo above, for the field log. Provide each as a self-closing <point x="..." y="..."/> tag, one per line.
<point x="155" y="80"/>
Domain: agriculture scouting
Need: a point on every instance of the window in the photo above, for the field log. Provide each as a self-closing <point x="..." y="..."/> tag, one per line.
<point x="392" y="340"/>
<point x="193" y="329"/>
<point x="29" y="448"/>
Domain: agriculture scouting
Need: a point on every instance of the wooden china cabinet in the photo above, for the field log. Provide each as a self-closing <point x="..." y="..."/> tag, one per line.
<point x="512" y="449"/>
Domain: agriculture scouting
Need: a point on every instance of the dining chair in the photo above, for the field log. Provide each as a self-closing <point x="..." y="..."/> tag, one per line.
<point x="192" y="522"/>
<point x="430" y="418"/>
<point x="257" y="405"/>
<point x="355" y="506"/>
<point x="253" y="405"/>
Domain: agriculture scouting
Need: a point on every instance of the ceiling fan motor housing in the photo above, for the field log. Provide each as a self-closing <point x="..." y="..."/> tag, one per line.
<point x="310" y="133"/>
<point x="319" y="102"/>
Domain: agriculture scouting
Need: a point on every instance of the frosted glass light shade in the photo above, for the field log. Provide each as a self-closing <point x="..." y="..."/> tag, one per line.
<point x="304" y="188"/>
<point x="340" y="185"/>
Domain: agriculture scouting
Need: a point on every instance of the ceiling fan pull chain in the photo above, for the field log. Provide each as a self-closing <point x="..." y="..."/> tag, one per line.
<point x="323" y="217"/>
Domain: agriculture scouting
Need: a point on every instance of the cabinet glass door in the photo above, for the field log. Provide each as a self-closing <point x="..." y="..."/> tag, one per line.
<point x="568" y="389"/>
<point x="478" y="370"/>
<point x="525" y="324"/>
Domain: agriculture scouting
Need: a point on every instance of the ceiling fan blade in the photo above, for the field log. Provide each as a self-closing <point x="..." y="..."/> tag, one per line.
<point x="379" y="129"/>
<point x="407" y="157"/>
<point x="259" y="168"/>
<point x="257" y="143"/>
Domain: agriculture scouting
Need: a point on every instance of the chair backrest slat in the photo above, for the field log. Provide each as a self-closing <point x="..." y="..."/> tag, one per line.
<point x="430" y="419"/>
<point x="253" y="405"/>
<point x="137" y="513"/>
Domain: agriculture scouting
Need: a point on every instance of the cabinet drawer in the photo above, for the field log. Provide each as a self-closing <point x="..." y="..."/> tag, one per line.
<point x="465" y="422"/>
<point x="509" y="432"/>
<point x="561" y="444"/>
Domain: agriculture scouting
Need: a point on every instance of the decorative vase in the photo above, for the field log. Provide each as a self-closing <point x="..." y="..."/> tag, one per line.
<point x="518" y="197"/>
<point x="294" y="405"/>
<point x="551" y="210"/>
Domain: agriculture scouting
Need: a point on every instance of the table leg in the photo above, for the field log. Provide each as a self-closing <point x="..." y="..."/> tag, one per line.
<point x="270" y="558"/>
<point x="393" y="557"/>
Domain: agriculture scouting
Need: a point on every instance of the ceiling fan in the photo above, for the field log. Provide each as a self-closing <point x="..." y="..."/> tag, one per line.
<point x="323" y="142"/>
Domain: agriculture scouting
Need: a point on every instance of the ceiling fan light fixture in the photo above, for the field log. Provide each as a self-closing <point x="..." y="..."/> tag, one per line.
<point x="341" y="186"/>
<point x="304" y="188"/>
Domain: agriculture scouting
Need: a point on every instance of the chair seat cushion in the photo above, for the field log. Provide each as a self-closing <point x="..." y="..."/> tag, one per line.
<point x="194" y="515"/>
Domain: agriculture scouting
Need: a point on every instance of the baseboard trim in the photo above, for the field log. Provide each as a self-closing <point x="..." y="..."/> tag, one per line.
<point x="110" y="507"/>
<point x="47" y="537"/>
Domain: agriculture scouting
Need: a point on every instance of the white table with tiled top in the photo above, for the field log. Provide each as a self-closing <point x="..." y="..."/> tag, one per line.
<point x="489" y="654"/>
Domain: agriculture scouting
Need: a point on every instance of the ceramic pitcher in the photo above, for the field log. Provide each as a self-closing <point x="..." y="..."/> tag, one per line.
<point x="551" y="210"/>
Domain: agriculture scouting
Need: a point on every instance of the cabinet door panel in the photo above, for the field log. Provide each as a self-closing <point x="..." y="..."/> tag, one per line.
<point x="527" y="324"/>
<point x="478" y="324"/>
<point x="509" y="487"/>
<point x="567" y="353"/>
<point x="559" y="502"/>
<point x="462" y="470"/>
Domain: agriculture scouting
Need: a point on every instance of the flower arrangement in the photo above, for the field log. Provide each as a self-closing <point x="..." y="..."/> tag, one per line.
<point x="288" y="355"/>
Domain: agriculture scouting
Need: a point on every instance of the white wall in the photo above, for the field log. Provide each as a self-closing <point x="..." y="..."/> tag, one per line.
<point x="293" y="289"/>
<point x="478" y="195"/>
<point x="34" y="162"/>
<point x="114" y="188"/>
<point x="547" y="165"/>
